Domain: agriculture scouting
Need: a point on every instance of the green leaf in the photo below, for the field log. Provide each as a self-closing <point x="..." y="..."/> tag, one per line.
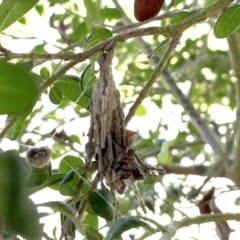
<point x="101" y="203"/>
<point x="53" y="179"/>
<point x="18" y="92"/>
<point x="39" y="176"/>
<point x="179" y="17"/>
<point x="15" y="130"/>
<point x="12" y="10"/>
<point x="69" y="184"/>
<point x="44" y="73"/>
<point x="123" y="224"/>
<point x="69" y="163"/>
<point x="97" y="36"/>
<point x="91" y="220"/>
<point x="26" y="65"/>
<point x="55" y="95"/>
<point x="71" y="88"/>
<point x="92" y="234"/>
<point x="91" y="8"/>
<point x="228" y="22"/>
<point x="141" y="111"/>
<point x="87" y="80"/>
<point x="80" y="32"/>
<point x="110" y="13"/>
<point x="20" y="214"/>
<point x="66" y="210"/>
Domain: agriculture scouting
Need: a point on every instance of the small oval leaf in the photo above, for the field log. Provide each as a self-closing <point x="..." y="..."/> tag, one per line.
<point x="44" y="72"/>
<point x="55" y="95"/>
<point x="97" y="36"/>
<point x="124" y="224"/>
<point x="101" y="203"/>
<point x="227" y="22"/>
<point x="141" y="111"/>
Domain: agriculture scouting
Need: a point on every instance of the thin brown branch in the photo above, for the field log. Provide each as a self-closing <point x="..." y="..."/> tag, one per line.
<point x="157" y="71"/>
<point x="172" y="228"/>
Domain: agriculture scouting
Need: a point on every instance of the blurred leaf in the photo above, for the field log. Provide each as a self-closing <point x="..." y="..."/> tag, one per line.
<point x="40" y="9"/>
<point x="20" y="214"/>
<point x="55" y="95"/>
<point x="44" y="73"/>
<point x="39" y="176"/>
<point x="101" y="203"/>
<point x="110" y="13"/>
<point x="12" y="10"/>
<point x="141" y="111"/>
<point x="91" y="220"/>
<point x="66" y="210"/>
<point x="92" y="234"/>
<point x="15" y="130"/>
<point x="95" y="37"/>
<point x="53" y="179"/>
<point x="179" y="17"/>
<point x="25" y="65"/>
<point x="18" y="91"/>
<point x="123" y="224"/>
<point x="80" y="32"/>
<point x="227" y="22"/>
<point x="91" y="8"/>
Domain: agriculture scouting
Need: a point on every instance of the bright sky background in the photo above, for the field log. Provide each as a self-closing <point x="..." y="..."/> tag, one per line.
<point x="37" y="28"/>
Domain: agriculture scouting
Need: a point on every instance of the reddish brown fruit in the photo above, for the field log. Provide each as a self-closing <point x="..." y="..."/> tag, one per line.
<point x="146" y="9"/>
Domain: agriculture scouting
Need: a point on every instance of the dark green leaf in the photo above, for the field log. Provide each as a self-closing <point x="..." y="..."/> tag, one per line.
<point x="227" y="22"/>
<point x="40" y="9"/>
<point x="18" y="91"/>
<point x="101" y="203"/>
<point x="20" y="214"/>
<point x="97" y="36"/>
<point x="110" y="13"/>
<point x="12" y="10"/>
<point x="123" y="224"/>
<point x="55" y="95"/>
<point x="44" y="72"/>
<point x="66" y="210"/>
<point x="179" y="17"/>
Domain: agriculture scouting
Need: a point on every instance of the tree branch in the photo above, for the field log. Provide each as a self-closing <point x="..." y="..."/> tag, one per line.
<point x="233" y="171"/>
<point x="157" y="71"/>
<point x="172" y="228"/>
